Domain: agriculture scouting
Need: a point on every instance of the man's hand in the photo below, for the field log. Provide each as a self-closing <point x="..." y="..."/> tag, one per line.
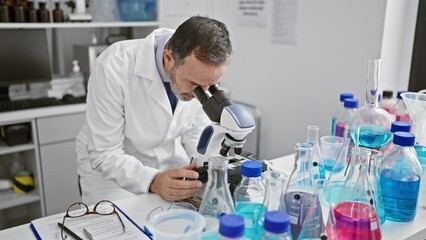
<point x="171" y="186"/>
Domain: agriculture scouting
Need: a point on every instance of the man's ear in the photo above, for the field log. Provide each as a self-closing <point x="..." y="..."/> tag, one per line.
<point x="168" y="58"/>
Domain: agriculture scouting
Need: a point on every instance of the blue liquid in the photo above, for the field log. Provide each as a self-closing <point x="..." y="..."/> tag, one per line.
<point x="421" y="153"/>
<point x="333" y="126"/>
<point x="371" y="136"/>
<point x="328" y="164"/>
<point x="399" y="192"/>
<point x="332" y="191"/>
<point x="318" y="174"/>
<point x="251" y="212"/>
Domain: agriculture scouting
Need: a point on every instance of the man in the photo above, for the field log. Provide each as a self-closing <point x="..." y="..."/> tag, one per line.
<point x="138" y="137"/>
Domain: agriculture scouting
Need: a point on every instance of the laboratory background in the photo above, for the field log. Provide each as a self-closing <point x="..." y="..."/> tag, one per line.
<point x="311" y="73"/>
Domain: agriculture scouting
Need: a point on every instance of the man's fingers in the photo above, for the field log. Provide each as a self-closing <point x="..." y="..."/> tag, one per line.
<point x="182" y="173"/>
<point x="186" y="184"/>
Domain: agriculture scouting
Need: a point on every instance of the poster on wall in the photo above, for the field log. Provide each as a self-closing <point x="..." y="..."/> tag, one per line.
<point x="284" y="18"/>
<point x="252" y="13"/>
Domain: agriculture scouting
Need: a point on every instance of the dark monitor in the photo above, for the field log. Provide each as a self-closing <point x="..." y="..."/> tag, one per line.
<point x="24" y="56"/>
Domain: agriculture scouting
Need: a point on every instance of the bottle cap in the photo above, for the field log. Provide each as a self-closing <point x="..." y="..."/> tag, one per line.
<point x="400" y="127"/>
<point x="351" y="103"/>
<point x="231" y="226"/>
<point x="398" y="95"/>
<point x="251" y="168"/>
<point x="405" y="139"/>
<point x="387" y="94"/>
<point x="344" y="96"/>
<point x="276" y="222"/>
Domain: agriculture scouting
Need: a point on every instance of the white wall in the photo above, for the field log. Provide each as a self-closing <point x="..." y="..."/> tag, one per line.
<point x="398" y="41"/>
<point x="297" y="86"/>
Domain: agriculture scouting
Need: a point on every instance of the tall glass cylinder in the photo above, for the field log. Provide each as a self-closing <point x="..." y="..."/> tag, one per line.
<point x="374" y="121"/>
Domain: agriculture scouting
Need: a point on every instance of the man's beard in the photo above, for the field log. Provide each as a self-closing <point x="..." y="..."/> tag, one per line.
<point x="181" y="96"/>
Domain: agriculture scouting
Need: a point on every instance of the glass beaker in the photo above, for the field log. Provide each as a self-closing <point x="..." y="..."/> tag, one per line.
<point x="374" y="121"/>
<point x="416" y="105"/>
<point x="355" y="214"/>
<point x="318" y="170"/>
<point x="217" y="198"/>
<point x="341" y="168"/>
<point x="301" y="194"/>
<point x="275" y="182"/>
<point x="330" y="147"/>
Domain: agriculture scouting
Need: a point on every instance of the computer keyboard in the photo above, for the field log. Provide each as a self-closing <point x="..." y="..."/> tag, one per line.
<point x="6" y="106"/>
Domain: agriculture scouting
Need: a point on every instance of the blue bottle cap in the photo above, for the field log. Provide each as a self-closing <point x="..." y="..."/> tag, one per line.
<point x="231" y="226"/>
<point x="400" y="127"/>
<point x="251" y="169"/>
<point x="398" y="95"/>
<point x="380" y="97"/>
<point x="404" y="139"/>
<point x="277" y="222"/>
<point x="351" y="103"/>
<point x="344" y="96"/>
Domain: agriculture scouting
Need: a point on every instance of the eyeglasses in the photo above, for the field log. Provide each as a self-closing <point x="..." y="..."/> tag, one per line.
<point x="103" y="207"/>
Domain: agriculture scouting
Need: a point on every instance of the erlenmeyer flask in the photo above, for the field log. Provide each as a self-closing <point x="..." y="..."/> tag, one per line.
<point x="318" y="170"/>
<point x="341" y="167"/>
<point x="373" y="177"/>
<point x="374" y="121"/>
<point x="274" y="188"/>
<point x="355" y="213"/>
<point x="302" y="193"/>
<point x="217" y="198"/>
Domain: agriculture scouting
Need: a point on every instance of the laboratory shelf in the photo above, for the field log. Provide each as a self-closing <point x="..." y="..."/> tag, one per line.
<point x="77" y="25"/>
<point x="5" y="149"/>
<point x="11" y="199"/>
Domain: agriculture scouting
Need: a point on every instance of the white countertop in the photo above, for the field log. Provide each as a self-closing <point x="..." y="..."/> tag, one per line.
<point x="138" y="207"/>
<point x="28" y="114"/>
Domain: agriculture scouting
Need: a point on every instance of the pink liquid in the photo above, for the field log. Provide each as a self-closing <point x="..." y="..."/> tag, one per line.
<point x="403" y="118"/>
<point x="354" y="220"/>
<point x="340" y="129"/>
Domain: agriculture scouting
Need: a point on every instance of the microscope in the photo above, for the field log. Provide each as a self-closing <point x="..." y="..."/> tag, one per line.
<point x="231" y="123"/>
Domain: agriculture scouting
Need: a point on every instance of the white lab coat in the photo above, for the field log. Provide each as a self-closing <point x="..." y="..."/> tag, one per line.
<point x="130" y="133"/>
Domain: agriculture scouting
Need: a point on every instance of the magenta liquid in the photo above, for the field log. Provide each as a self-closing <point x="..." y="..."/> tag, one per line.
<point x="340" y="129"/>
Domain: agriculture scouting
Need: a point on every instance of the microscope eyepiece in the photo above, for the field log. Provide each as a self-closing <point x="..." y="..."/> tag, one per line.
<point x="201" y="95"/>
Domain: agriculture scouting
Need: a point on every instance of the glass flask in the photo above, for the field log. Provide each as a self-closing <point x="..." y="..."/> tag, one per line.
<point x="274" y="188"/>
<point x="301" y="195"/>
<point x="354" y="214"/>
<point x="373" y="176"/>
<point x="400" y="174"/>
<point x="347" y="116"/>
<point x="399" y="110"/>
<point x="395" y="127"/>
<point x="374" y="121"/>
<point x="277" y="226"/>
<point x="231" y="226"/>
<point x="318" y="169"/>
<point x="249" y="195"/>
<point x="343" y="96"/>
<point x="341" y="168"/>
<point x="217" y="198"/>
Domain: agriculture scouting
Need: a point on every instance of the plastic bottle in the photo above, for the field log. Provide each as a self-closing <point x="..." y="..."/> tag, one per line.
<point x="387" y="101"/>
<point x="343" y="96"/>
<point x="347" y="115"/>
<point x="395" y="127"/>
<point x="400" y="174"/>
<point x="43" y="12"/>
<point x="4" y="12"/>
<point x="277" y="226"/>
<point x="32" y="12"/>
<point x="301" y="196"/>
<point x="399" y="110"/>
<point x="318" y="169"/>
<point x="250" y="195"/>
<point x="217" y="198"/>
<point x="231" y="227"/>
<point x="57" y="13"/>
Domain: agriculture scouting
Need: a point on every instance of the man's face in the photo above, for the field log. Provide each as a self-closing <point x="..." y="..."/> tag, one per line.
<point x="191" y="74"/>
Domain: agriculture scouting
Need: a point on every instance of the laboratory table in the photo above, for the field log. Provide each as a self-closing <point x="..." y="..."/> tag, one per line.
<point x="138" y="208"/>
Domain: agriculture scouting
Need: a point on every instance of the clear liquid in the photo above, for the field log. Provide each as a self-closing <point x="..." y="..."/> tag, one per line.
<point x="371" y="136"/>
<point x="297" y="205"/>
<point x="251" y="212"/>
<point x="332" y="191"/>
<point x="333" y="126"/>
<point x="399" y="191"/>
<point x="356" y="220"/>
